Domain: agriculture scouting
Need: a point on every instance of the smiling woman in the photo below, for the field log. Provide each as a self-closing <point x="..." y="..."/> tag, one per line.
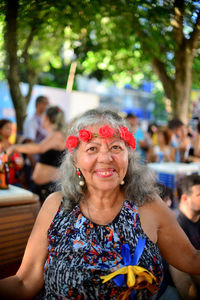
<point x="101" y="237"/>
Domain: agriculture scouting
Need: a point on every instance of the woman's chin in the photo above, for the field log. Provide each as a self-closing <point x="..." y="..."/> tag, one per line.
<point x="107" y="185"/>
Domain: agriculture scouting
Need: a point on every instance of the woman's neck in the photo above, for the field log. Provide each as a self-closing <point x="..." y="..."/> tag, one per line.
<point x="102" y="210"/>
<point x="103" y="200"/>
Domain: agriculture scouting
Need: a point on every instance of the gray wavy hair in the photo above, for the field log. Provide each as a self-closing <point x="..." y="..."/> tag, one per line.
<point x="139" y="180"/>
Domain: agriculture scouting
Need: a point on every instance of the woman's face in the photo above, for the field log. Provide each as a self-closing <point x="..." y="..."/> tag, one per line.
<point x="6" y="130"/>
<point x="102" y="161"/>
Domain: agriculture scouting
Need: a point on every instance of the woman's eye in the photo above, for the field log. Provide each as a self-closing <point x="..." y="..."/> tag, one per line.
<point x="116" y="147"/>
<point x="91" y="149"/>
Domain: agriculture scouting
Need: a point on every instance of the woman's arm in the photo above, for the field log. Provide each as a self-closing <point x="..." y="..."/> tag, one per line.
<point x="160" y="224"/>
<point x="173" y="243"/>
<point x="28" y="280"/>
<point x="54" y="141"/>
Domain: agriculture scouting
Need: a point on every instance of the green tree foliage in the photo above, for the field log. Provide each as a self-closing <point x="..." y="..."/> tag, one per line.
<point x="126" y="40"/>
<point x="160" y="36"/>
<point x="33" y="41"/>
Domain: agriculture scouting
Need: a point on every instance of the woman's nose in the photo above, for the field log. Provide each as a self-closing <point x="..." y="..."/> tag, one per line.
<point x="105" y="156"/>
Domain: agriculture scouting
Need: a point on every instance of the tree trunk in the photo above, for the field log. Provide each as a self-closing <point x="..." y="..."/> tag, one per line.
<point x="178" y="90"/>
<point x="182" y="84"/>
<point x="19" y="101"/>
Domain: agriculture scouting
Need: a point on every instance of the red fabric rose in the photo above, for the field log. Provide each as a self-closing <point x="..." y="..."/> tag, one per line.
<point x="106" y="131"/>
<point x="126" y="135"/>
<point x="132" y="141"/>
<point x="85" y="135"/>
<point x="71" y="143"/>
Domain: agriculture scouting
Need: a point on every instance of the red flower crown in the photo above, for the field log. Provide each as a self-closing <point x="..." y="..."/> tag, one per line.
<point x="104" y="132"/>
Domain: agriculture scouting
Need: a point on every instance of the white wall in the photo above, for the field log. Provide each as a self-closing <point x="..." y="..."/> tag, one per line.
<point x="79" y="102"/>
<point x="73" y="103"/>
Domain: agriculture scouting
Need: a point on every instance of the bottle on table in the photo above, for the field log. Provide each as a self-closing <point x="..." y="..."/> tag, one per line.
<point x="4" y="171"/>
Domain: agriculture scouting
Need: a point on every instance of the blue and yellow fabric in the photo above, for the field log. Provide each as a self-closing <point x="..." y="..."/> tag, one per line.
<point x="136" y="277"/>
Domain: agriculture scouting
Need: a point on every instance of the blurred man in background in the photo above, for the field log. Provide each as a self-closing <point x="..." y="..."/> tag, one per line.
<point x="33" y="132"/>
<point x="188" y="216"/>
<point x="32" y="128"/>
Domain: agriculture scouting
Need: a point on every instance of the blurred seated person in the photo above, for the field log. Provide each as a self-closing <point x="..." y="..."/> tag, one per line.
<point x="176" y="127"/>
<point x="188" y="217"/>
<point x="151" y="134"/>
<point x="163" y="151"/>
<point x="50" y="150"/>
<point x="186" y="138"/>
<point x="180" y="139"/>
<point x="16" y="161"/>
<point x="194" y="151"/>
<point x="141" y="142"/>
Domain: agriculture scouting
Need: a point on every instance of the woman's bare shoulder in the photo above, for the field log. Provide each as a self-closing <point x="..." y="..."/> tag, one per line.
<point x="51" y="204"/>
<point x="157" y="213"/>
<point x="152" y="203"/>
<point x="155" y="207"/>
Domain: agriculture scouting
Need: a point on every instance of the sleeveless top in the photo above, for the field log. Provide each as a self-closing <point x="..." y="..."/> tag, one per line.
<point x="52" y="157"/>
<point x="81" y="251"/>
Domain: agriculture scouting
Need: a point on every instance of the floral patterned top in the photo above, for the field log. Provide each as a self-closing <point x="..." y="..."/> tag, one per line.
<point x="81" y="251"/>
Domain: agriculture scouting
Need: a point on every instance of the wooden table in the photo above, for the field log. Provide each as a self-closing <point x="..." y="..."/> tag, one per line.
<point x="18" y="211"/>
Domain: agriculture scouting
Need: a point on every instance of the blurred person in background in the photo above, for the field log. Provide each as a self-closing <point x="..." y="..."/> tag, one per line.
<point x="176" y="127"/>
<point x="33" y="132"/>
<point x="180" y="140"/>
<point x="187" y="137"/>
<point x="188" y="217"/>
<point x="151" y="134"/>
<point x="141" y="142"/>
<point x="194" y="151"/>
<point x="16" y="161"/>
<point x="50" y="150"/>
<point x="32" y="127"/>
<point x="163" y="151"/>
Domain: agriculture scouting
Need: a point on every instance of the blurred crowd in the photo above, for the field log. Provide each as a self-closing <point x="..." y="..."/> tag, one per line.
<point x="174" y="142"/>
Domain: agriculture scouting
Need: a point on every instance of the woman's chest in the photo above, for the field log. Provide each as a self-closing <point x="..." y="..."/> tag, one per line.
<point x="80" y="252"/>
<point x="93" y="247"/>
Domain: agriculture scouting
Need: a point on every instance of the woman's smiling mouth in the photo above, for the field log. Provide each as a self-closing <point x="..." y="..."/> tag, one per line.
<point x="104" y="172"/>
